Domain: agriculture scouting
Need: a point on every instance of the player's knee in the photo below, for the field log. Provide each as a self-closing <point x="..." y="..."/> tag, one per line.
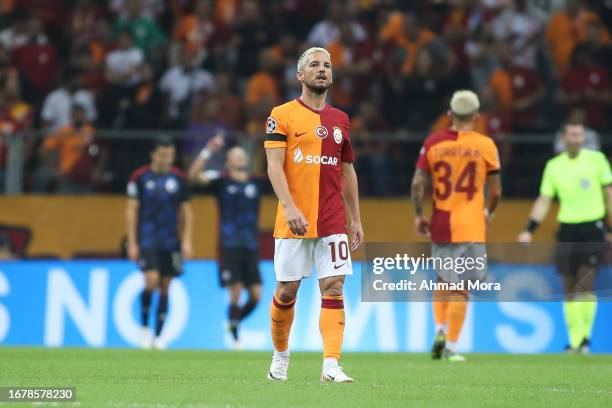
<point x="285" y="294"/>
<point x="332" y="286"/>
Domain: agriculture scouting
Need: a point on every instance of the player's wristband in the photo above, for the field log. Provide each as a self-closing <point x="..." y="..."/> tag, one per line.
<point x="204" y="154"/>
<point x="532" y="225"/>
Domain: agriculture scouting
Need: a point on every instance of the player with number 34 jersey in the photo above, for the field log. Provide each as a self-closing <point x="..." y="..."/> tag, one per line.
<point x="458" y="162"/>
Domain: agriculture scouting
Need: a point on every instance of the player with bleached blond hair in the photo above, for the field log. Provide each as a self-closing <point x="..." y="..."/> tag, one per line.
<point x="310" y="165"/>
<point x="458" y="163"/>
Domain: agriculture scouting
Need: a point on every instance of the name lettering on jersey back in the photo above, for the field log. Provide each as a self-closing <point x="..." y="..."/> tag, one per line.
<point x="455" y="151"/>
<point x="298" y="157"/>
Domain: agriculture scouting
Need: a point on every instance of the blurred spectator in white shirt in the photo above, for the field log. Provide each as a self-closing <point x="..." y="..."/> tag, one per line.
<point x="123" y="64"/>
<point x="327" y="31"/>
<point x="181" y="82"/>
<point x="57" y="108"/>
<point x="20" y="33"/>
<point x="519" y="27"/>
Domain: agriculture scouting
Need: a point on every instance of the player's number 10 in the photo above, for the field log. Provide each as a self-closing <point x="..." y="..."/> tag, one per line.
<point x="342" y="250"/>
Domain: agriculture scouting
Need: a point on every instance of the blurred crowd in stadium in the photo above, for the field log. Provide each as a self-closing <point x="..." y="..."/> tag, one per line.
<point x="198" y="67"/>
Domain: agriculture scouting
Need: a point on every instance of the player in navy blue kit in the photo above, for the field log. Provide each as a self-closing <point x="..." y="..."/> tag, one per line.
<point x="238" y="196"/>
<point x="158" y="201"/>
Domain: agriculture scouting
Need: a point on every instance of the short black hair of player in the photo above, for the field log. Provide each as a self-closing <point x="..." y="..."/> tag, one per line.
<point x="162" y="141"/>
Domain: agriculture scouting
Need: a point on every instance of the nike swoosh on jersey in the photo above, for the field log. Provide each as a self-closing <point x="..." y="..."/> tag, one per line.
<point x="301" y="134"/>
<point x="338" y="267"/>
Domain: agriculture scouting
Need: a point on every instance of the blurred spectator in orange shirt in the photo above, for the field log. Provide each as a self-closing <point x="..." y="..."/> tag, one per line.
<point x="263" y="91"/>
<point x="7" y="7"/>
<point x="196" y="31"/>
<point x="89" y="54"/>
<point x="72" y="157"/>
<point x="518" y="91"/>
<point x="264" y="83"/>
<point x="407" y="33"/>
<point x="226" y="11"/>
<point x="568" y="28"/>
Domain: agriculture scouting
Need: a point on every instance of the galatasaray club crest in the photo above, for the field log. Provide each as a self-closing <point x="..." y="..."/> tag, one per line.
<point x="337" y="135"/>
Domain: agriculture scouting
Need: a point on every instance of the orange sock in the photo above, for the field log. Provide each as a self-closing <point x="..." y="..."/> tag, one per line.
<point x="456" y="316"/>
<point x="331" y="324"/>
<point x="281" y="319"/>
<point x="440" y="307"/>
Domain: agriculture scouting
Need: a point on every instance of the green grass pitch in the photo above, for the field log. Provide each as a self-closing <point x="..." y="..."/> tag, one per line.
<point x="165" y="379"/>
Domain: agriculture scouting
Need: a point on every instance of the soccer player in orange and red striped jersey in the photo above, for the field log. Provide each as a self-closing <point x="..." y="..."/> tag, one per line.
<point x="458" y="162"/>
<point x="310" y="165"/>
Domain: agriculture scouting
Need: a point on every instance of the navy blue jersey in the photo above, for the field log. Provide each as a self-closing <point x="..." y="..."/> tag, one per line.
<point x="160" y="197"/>
<point x="239" y="212"/>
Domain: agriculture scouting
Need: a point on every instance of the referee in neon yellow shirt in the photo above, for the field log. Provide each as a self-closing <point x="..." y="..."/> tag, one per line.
<point x="582" y="181"/>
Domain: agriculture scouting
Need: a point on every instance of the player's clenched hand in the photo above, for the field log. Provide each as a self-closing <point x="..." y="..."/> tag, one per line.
<point x="186" y="250"/>
<point x="296" y="220"/>
<point x="356" y="235"/>
<point x="525" y="237"/>
<point x="216" y="142"/>
<point x="422" y="227"/>
<point x="133" y="251"/>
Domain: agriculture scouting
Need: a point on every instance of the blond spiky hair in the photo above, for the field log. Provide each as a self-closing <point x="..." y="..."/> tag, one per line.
<point x="464" y="103"/>
<point x="301" y="64"/>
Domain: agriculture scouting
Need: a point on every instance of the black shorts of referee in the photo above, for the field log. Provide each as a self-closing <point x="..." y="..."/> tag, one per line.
<point x="580" y="244"/>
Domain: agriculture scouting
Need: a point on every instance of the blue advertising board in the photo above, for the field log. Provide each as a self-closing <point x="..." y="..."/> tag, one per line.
<point x="96" y="304"/>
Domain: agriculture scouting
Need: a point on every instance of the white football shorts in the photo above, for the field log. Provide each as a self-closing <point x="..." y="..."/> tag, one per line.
<point x="295" y="257"/>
